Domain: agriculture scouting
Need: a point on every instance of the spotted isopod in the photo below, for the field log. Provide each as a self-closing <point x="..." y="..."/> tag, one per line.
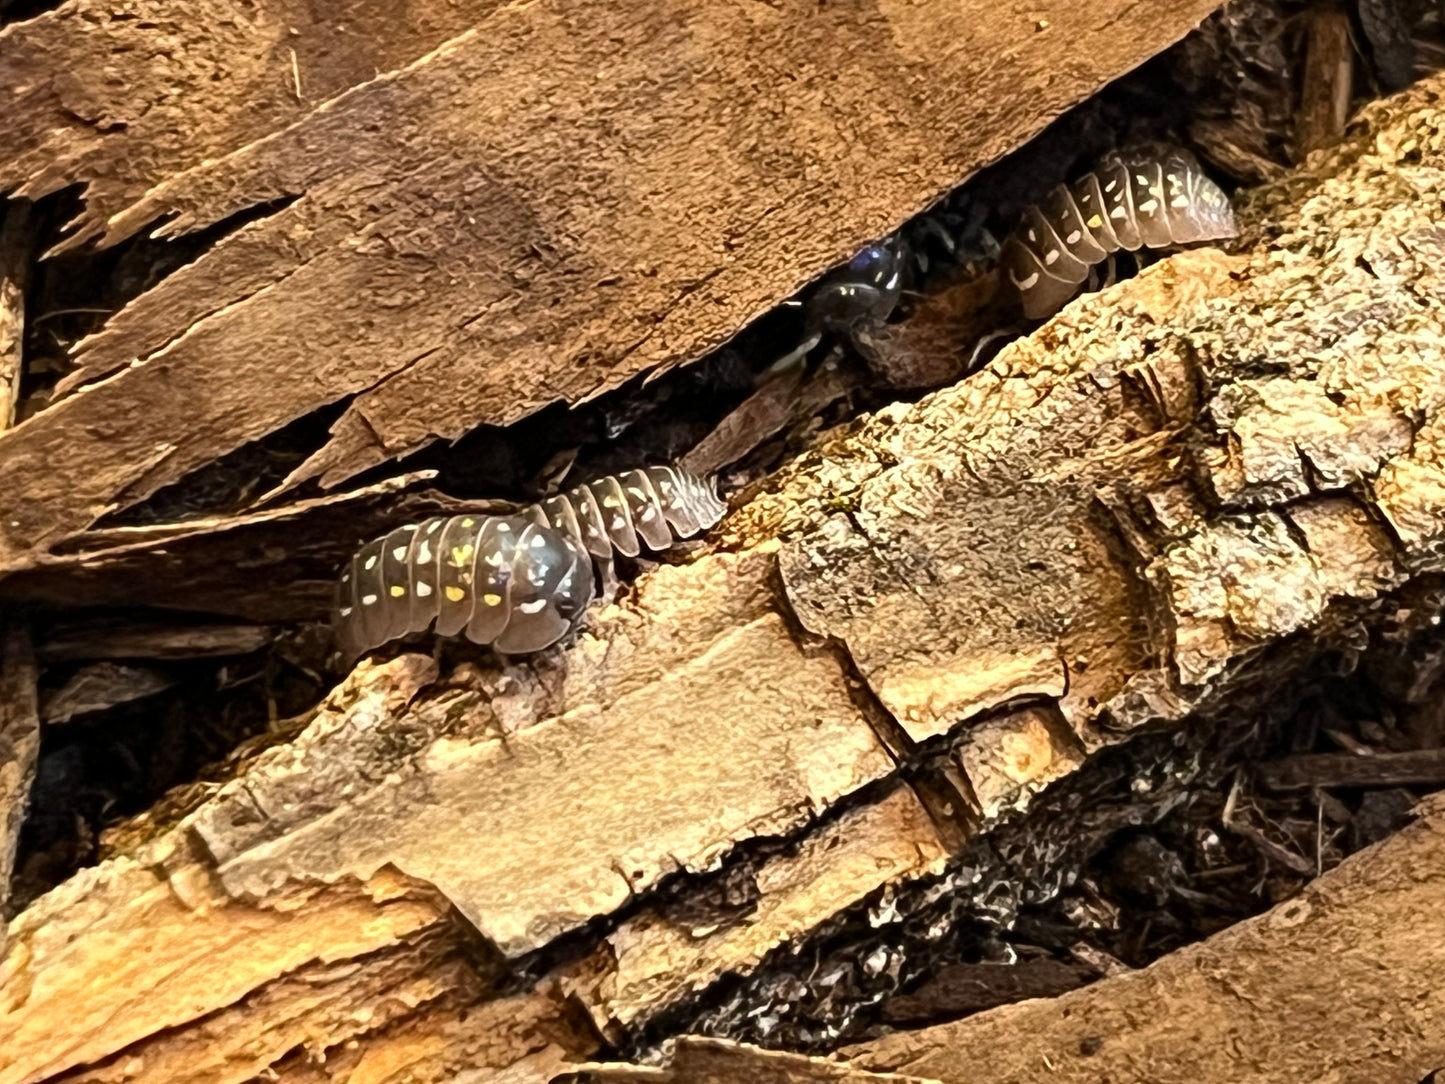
<point x="1133" y="199"/>
<point x="518" y="582"/>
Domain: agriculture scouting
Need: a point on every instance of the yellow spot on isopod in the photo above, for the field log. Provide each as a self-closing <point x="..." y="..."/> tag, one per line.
<point x="492" y="600"/>
<point x="397" y="590"/>
<point x="456" y="594"/>
<point x="462" y="555"/>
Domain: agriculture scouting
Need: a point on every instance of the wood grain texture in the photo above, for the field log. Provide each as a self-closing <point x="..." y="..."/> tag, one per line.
<point x="17" y="244"/>
<point x="1260" y="1003"/>
<point x="19" y="738"/>
<point x="567" y="196"/>
<point x="716" y="1061"/>
<point x="117" y="96"/>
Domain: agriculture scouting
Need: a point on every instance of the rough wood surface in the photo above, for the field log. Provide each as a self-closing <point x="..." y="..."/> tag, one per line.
<point x="119" y="96"/>
<point x="712" y="1061"/>
<point x="653" y="961"/>
<point x="19" y="739"/>
<point x="565" y="196"/>
<point x="17" y="240"/>
<point x="1340" y="983"/>
<point x="1220" y="456"/>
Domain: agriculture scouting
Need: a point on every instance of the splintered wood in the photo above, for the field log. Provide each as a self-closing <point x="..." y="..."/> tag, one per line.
<point x="562" y="197"/>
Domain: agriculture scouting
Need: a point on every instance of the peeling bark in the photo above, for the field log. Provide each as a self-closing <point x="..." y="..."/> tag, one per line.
<point x="561" y="198"/>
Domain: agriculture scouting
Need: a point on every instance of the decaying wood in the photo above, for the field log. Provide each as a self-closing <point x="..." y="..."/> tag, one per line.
<point x="101" y="686"/>
<point x="1328" y="82"/>
<point x="17" y="240"/>
<point x="654" y="961"/>
<point x="1348" y="770"/>
<point x="1114" y="523"/>
<point x="133" y="640"/>
<point x="295" y="549"/>
<point x="19" y="739"/>
<point x="1262" y="1002"/>
<point x="552" y="202"/>
<point x="120" y="98"/>
<point x="705" y="1061"/>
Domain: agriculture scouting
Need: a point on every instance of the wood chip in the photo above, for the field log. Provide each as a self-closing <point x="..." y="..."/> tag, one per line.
<point x="1416" y="767"/>
<point x="99" y="687"/>
<point x="19" y="739"/>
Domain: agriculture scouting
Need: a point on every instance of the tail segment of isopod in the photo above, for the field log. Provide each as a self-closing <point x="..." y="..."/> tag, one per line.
<point x="521" y="582"/>
<point x="1131" y="201"/>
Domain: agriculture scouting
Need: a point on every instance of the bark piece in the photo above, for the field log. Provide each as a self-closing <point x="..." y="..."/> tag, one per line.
<point x="1094" y="447"/>
<point x="154" y="948"/>
<point x="19" y="739"/>
<point x="968" y="988"/>
<point x="101" y="686"/>
<point x="212" y="565"/>
<point x="471" y="816"/>
<point x="1418" y="766"/>
<point x="17" y="244"/>
<point x="112" y="640"/>
<point x="1328" y="82"/>
<point x="717" y="1061"/>
<point x="118" y="98"/>
<point x="544" y="207"/>
<point x="1010" y="757"/>
<point x="314" y="1007"/>
<point x="654" y="961"/>
<point x="1345" y="976"/>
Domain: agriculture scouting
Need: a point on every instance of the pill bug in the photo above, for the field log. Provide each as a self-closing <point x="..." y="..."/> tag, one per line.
<point x="519" y="582"/>
<point x="1132" y="200"/>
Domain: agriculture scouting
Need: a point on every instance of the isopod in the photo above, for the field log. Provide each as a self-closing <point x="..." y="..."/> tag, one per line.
<point x="518" y="582"/>
<point x="1132" y="200"/>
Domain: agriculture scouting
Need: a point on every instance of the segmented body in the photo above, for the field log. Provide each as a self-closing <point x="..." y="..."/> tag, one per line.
<point x="518" y="582"/>
<point x="1132" y="200"/>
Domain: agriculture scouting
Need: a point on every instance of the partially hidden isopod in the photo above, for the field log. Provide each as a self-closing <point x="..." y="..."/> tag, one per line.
<point x="517" y="582"/>
<point x="1133" y="200"/>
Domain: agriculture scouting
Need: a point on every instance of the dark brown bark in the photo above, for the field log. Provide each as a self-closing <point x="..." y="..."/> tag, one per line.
<point x="566" y="196"/>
